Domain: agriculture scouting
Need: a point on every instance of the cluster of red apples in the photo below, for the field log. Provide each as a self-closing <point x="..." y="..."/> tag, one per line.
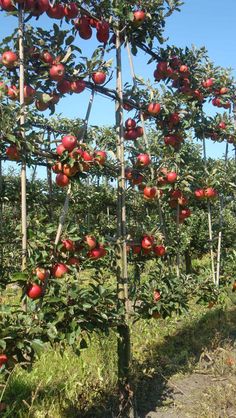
<point x="38" y="7"/>
<point x="57" y="73"/>
<point x="207" y="193"/>
<point x="146" y="246"/>
<point x="69" y="249"/>
<point x="82" y="159"/>
<point x="181" y="75"/>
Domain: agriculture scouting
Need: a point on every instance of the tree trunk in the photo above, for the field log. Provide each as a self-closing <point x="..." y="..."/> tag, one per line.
<point x="188" y="262"/>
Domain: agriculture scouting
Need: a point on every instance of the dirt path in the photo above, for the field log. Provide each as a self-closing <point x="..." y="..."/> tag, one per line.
<point x="190" y="397"/>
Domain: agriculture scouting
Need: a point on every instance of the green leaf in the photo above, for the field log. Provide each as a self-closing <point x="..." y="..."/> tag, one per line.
<point x="19" y="277"/>
<point x="38" y="346"/>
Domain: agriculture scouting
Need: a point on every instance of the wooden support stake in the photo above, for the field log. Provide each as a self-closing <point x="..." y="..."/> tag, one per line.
<point x="49" y="177"/>
<point x="22" y="130"/>
<point x="209" y="220"/>
<point x="123" y="344"/>
<point x="1" y="215"/>
<point x="219" y="242"/>
<point x="178" y="242"/>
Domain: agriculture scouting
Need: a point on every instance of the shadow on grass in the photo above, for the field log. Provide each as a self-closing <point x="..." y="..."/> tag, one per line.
<point x="177" y="353"/>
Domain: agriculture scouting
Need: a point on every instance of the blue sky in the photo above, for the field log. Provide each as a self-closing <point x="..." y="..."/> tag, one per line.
<point x="209" y="23"/>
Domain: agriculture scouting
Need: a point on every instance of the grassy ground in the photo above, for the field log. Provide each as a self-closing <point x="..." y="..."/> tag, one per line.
<point x="165" y="354"/>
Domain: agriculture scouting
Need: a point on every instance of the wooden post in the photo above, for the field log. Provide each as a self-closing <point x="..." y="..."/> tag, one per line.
<point x="219" y="242"/>
<point x="22" y="132"/>
<point x="1" y="215"/>
<point x="123" y="344"/>
<point x="178" y="242"/>
<point x="49" y="177"/>
<point x="209" y="220"/>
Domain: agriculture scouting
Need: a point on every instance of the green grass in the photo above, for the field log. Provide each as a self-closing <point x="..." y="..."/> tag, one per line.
<point x="65" y="385"/>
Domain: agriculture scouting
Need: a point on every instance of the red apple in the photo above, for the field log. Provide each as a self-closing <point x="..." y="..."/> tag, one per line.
<point x="216" y="102"/>
<point x="156" y="296"/>
<point x="99" y="77"/>
<point x="56" y="11"/>
<point x="174" y="119"/>
<point x="143" y="160"/>
<point x="3" y="359"/>
<point x="208" y="83"/>
<point x="57" y="167"/>
<point x="7" y="5"/>
<point x="34" y="291"/>
<point x="71" y="10"/>
<point x="147" y="242"/>
<point x="69" y="142"/>
<point x="68" y="245"/>
<point x="85" y="32"/>
<point x="136" y="248"/>
<point x="37" y="7"/>
<point x="139" y="131"/>
<point x="9" y="59"/>
<point x="90" y="241"/>
<point x="184" y="213"/>
<point x="137" y="178"/>
<point x="154" y="108"/>
<point x="13" y="93"/>
<point x="73" y="261"/>
<point x="42" y="273"/>
<point x="130" y="124"/>
<point x="47" y="57"/>
<point x="183" y="69"/>
<point x="175" y="194"/>
<point x="100" y="157"/>
<point x="150" y="192"/>
<point x="171" y="177"/>
<point x="210" y="193"/>
<point x="162" y="67"/>
<point x="59" y="270"/>
<point x="139" y="17"/>
<point x="60" y="149"/>
<point x="159" y="250"/>
<point x="62" y="180"/>
<point x="97" y="253"/>
<point x="223" y="90"/>
<point x="57" y="72"/>
<point x="131" y="134"/>
<point x="29" y="94"/>
<point x="77" y="86"/>
<point x="64" y="86"/>
<point x="199" y="194"/>
<point x="103" y="28"/>
<point x="222" y="125"/>
<point x="12" y="153"/>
